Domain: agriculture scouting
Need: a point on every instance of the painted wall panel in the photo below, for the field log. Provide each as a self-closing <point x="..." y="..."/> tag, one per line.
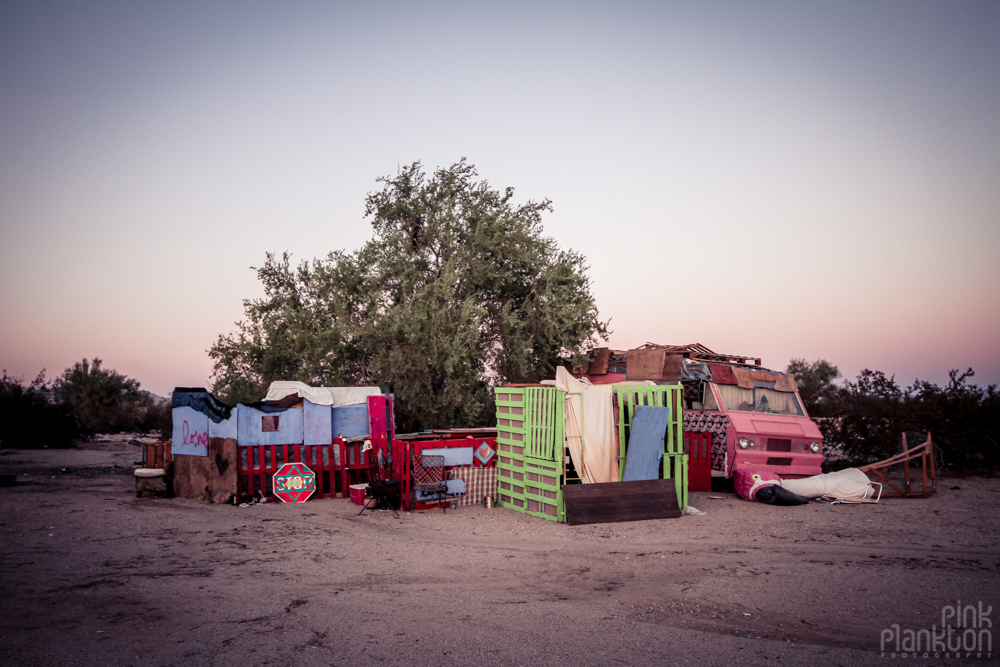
<point x="350" y="421"/>
<point x="377" y="416"/>
<point x="190" y="435"/>
<point x="453" y="456"/>
<point x="227" y="428"/>
<point x="316" y="425"/>
<point x="290" y="428"/>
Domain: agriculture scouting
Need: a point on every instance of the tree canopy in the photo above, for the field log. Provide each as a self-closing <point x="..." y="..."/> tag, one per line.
<point x="816" y="383"/>
<point x="457" y="291"/>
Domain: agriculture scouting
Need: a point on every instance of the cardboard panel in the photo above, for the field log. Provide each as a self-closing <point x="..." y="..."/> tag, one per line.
<point x="599" y="364"/>
<point x="743" y="379"/>
<point x="673" y="367"/>
<point x="204" y="477"/>
<point x="653" y="364"/>
<point x="190" y="436"/>
<point x="644" y="364"/>
<point x="316" y="423"/>
<point x="785" y="382"/>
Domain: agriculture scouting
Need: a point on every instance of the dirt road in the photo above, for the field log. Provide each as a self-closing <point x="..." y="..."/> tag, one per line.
<point x="94" y="576"/>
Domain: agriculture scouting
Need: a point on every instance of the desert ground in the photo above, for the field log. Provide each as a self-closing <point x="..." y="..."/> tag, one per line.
<point x="94" y="576"/>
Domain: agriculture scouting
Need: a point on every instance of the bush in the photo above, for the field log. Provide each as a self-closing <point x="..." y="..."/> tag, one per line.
<point x="30" y="417"/>
<point x="867" y="417"/>
<point x="102" y="400"/>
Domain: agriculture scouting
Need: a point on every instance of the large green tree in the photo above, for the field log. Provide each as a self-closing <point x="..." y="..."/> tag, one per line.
<point x="457" y="291"/>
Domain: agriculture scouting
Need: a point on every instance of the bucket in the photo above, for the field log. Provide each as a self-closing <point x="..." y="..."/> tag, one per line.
<point x="488" y="502"/>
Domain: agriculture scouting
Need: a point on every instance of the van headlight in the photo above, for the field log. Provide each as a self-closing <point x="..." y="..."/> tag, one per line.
<point x="814" y="448"/>
<point x="743" y="443"/>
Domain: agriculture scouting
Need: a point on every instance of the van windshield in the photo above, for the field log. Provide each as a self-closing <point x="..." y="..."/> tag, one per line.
<point x="737" y="399"/>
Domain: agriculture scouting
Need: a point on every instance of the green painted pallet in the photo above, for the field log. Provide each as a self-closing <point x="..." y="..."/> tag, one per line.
<point x="531" y="444"/>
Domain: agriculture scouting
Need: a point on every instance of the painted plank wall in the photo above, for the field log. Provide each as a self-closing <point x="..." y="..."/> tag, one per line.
<point x="316" y="425"/>
<point x="350" y="421"/>
<point x="290" y="427"/>
<point x="190" y="436"/>
<point x="227" y="428"/>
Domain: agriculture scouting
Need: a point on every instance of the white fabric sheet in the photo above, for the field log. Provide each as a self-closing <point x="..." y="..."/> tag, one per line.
<point x="332" y="396"/>
<point x="589" y="404"/>
<point x="849" y="483"/>
<point x="595" y="455"/>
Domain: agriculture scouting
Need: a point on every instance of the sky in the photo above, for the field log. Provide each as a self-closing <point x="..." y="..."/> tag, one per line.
<point x="774" y="179"/>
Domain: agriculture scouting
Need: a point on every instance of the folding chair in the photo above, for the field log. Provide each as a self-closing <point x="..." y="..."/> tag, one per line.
<point x="429" y="477"/>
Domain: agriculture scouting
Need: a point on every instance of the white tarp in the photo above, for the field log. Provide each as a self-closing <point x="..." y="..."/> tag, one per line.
<point x="332" y="396"/>
<point x="849" y="483"/>
<point x="595" y="453"/>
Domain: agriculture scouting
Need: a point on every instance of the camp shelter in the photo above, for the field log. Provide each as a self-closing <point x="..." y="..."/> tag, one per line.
<point x="534" y="462"/>
<point x="321" y="427"/>
<point x="222" y="450"/>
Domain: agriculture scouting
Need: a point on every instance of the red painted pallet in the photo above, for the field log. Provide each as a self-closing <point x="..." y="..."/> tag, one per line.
<point x="404" y="451"/>
<point x="258" y="463"/>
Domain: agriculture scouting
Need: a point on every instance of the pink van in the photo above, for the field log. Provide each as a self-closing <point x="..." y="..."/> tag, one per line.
<point x="755" y="415"/>
<point x="762" y="427"/>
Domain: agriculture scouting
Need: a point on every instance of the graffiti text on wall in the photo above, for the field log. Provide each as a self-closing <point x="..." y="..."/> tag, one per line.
<point x="195" y="439"/>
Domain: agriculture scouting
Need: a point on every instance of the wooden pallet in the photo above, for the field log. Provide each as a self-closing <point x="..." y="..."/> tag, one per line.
<point x="620" y="501"/>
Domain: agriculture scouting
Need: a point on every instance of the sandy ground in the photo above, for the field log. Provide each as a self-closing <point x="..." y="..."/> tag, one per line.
<point x="94" y="576"/>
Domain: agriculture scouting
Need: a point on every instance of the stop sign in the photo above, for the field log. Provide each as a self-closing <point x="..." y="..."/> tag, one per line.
<point x="294" y="482"/>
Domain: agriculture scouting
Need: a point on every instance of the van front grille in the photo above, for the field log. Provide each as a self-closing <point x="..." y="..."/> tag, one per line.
<point x="779" y="445"/>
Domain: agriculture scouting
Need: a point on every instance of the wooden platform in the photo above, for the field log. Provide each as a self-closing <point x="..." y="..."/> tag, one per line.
<point x="620" y="501"/>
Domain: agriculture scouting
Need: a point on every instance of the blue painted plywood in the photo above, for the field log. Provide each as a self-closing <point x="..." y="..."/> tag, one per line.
<point x="316" y="426"/>
<point x="350" y="421"/>
<point x="290" y="428"/>
<point x="645" y="443"/>
<point x="190" y="435"/>
<point x="227" y="428"/>
<point x="453" y="456"/>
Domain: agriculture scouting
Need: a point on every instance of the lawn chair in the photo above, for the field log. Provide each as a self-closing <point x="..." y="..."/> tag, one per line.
<point x="429" y="477"/>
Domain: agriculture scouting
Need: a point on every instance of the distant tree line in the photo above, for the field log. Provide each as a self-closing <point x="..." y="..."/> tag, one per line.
<point x="85" y="400"/>
<point x="866" y="417"/>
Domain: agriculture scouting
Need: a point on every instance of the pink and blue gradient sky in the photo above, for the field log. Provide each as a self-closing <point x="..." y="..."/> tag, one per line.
<point x="779" y="179"/>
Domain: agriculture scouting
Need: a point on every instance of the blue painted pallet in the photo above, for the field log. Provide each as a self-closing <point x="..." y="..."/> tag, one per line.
<point x="645" y="443"/>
